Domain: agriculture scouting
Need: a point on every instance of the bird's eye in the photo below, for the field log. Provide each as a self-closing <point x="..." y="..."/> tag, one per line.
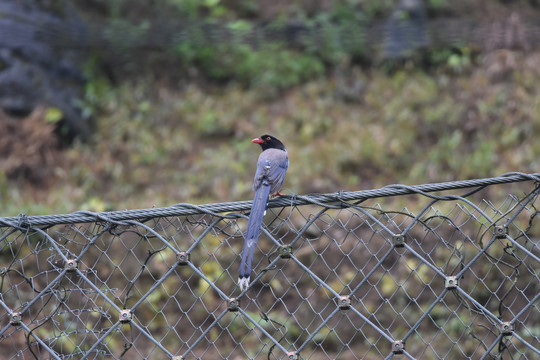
<point x="268" y="138"/>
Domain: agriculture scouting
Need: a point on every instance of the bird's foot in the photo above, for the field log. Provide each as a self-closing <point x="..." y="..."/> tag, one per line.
<point x="277" y="194"/>
<point x="243" y="283"/>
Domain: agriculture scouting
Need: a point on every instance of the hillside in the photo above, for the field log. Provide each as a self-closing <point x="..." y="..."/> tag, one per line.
<point x="178" y="133"/>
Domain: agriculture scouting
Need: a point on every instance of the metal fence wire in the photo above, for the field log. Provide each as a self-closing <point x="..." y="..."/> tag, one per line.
<point x="435" y="271"/>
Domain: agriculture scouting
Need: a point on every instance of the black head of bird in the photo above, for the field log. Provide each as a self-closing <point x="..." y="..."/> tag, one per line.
<point x="269" y="142"/>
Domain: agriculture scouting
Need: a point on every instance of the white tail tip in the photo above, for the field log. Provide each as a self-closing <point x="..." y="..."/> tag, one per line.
<point x="243" y="283"/>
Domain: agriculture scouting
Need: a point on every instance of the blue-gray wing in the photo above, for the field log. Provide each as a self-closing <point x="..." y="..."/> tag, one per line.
<point x="272" y="166"/>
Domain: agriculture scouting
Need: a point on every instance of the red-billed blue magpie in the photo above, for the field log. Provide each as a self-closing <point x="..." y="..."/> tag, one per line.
<point x="271" y="168"/>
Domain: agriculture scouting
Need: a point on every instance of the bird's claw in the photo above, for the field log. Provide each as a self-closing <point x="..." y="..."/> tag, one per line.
<point x="277" y="194"/>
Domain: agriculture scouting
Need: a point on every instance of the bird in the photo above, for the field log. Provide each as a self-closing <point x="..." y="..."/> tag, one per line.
<point x="271" y="168"/>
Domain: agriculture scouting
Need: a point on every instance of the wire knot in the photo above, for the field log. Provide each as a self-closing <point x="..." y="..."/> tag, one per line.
<point x="23" y="222"/>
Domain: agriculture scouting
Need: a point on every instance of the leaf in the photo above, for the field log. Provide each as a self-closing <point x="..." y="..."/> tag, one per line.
<point x="53" y="115"/>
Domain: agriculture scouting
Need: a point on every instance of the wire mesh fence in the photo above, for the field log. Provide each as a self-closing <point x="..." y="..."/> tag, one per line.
<point x="436" y="271"/>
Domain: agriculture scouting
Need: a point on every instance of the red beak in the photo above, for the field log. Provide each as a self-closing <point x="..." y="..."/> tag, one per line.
<point x="258" y="141"/>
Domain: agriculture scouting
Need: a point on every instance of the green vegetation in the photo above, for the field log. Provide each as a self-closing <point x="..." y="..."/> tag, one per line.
<point x="347" y="124"/>
<point x="192" y="145"/>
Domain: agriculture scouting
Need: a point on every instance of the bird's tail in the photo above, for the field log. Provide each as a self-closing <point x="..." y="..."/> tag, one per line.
<point x="252" y="234"/>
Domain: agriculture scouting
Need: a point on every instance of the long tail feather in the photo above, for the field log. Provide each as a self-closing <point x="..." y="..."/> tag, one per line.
<point x="252" y="234"/>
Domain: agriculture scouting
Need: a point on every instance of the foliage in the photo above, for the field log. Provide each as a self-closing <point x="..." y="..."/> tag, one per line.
<point x="467" y="115"/>
<point x="271" y="66"/>
<point x="192" y="144"/>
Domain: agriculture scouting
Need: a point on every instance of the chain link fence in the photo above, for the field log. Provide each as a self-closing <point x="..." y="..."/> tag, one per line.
<point x="436" y="271"/>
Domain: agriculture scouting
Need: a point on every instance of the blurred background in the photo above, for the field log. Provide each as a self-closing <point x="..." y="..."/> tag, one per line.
<point x="116" y="104"/>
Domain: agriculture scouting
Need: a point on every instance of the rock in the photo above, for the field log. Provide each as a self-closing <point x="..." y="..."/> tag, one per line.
<point x="37" y="64"/>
